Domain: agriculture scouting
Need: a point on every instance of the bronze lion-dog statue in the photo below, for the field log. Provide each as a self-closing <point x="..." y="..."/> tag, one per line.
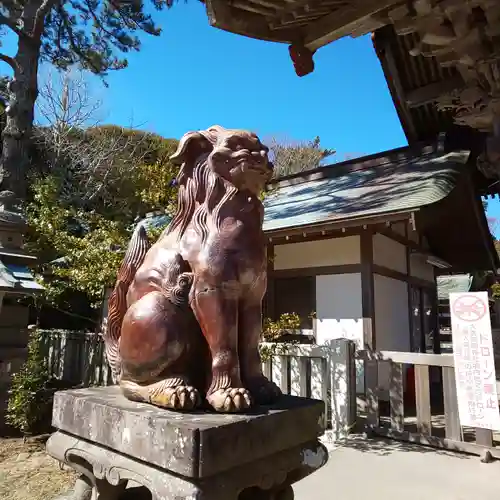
<point x="185" y="316"/>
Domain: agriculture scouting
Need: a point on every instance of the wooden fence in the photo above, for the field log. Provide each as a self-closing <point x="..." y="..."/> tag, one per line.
<point x="327" y="373"/>
<point x="433" y="420"/>
<point x="76" y="357"/>
<point x="321" y="372"/>
<point x="324" y="372"/>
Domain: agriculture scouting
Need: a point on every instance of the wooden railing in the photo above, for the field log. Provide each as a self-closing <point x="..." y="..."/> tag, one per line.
<point x="321" y="372"/>
<point x="327" y="373"/>
<point x="453" y="436"/>
<point x="324" y="372"/>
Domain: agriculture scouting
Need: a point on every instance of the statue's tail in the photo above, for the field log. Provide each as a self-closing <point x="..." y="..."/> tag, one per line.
<point x="117" y="306"/>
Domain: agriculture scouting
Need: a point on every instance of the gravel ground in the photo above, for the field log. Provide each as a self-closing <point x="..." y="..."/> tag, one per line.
<point x="27" y="472"/>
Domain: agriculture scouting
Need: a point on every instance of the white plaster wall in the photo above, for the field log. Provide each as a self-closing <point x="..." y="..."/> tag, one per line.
<point x="331" y="252"/>
<point x="420" y="268"/>
<point x="392" y="324"/>
<point x="339" y="312"/>
<point x="389" y="253"/>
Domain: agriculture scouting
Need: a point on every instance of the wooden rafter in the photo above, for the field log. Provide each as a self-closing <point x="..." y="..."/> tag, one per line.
<point x="307" y="10"/>
<point x="341" y="23"/>
<point x="225" y="16"/>
<point x="298" y="4"/>
<point x="430" y="93"/>
<point x="257" y="8"/>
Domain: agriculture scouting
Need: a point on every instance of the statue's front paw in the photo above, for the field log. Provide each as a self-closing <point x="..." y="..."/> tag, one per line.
<point x="230" y="400"/>
<point x="182" y="397"/>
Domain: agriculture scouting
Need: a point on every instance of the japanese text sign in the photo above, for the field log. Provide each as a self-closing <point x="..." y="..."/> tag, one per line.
<point x="474" y="360"/>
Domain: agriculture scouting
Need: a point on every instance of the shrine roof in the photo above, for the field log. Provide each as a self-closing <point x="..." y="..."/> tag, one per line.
<point x="454" y="283"/>
<point x="394" y="182"/>
<point x="17" y="279"/>
<point x="314" y="23"/>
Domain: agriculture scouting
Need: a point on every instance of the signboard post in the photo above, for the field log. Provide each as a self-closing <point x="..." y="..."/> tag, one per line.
<point x="474" y="360"/>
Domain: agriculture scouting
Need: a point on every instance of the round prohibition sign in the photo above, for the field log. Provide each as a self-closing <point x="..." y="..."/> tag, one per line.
<point x="469" y="308"/>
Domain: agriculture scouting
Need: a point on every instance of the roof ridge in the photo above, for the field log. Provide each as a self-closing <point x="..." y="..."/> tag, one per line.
<point x="356" y="164"/>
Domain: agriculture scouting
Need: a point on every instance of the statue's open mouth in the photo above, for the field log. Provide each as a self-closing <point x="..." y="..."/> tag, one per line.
<point x="250" y="164"/>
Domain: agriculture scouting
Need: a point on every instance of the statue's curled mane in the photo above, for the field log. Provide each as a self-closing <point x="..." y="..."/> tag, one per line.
<point x="202" y="192"/>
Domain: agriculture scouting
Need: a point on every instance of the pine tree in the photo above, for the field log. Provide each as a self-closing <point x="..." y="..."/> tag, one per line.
<point x="90" y="33"/>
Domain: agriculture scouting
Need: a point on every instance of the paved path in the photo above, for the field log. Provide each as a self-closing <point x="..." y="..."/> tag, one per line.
<point x="385" y="469"/>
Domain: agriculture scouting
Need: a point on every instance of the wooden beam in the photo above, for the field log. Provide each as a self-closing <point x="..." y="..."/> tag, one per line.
<point x="384" y="47"/>
<point x="368" y="289"/>
<point x="314" y="236"/>
<point x="268" y="3"/>
<point x="452" y="420"/>
<point x="396" y="275"/>
<point x="254" y="7"/>
<point x="228" y="18"/>
<point x="341" y="23"/>
<point x="403" y="240"/>
<point x="409" y="290"/>
<point x="430" y="93"/>
<point x="408" y="358"/>
<point x="316" y="271"/>
<point x="296" y="6"/>
<point x="347" y="223"/>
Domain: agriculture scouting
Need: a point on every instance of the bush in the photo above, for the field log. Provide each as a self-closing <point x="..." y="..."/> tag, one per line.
<point x="30" y="402"/>
<point x="274" y="331"/>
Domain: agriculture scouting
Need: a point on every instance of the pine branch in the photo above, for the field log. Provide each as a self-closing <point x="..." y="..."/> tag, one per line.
<point x="40" y="18"/>
<point x="97" y="21"/>
<point x="5" y="21"/>
<point x="74" y="44"/>
<point x="9" y="60"/>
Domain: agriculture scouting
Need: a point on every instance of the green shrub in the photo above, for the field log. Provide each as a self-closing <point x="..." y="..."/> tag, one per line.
<point x="273" y="331"/>
<point x="30" y="400"/>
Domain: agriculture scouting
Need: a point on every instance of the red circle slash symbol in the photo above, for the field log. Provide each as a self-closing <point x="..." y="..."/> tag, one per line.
<point x="469" y="308"/>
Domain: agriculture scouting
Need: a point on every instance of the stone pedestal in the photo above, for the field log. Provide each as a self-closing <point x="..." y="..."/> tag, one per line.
<point x="112" y="441"/>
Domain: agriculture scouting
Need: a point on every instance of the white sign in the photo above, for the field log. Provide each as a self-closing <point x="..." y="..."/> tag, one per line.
<point x="474" y="361"/>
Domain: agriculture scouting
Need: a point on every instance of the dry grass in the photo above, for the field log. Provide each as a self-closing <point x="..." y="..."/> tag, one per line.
<point x="27" y="472"/>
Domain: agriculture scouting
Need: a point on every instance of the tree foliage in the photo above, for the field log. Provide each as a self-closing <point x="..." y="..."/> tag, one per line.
<point x="111" y="169"/>
<point x="495" y="288"/>
<point x="273" y="332"/>
<point x="90" y="32"/>
<point x="294" y="157"/>
<point x="91" y="185"/>
<point x="94" y="34"/>
<point x="80" y="239"/>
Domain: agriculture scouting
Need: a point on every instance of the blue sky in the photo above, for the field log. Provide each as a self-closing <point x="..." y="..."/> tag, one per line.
<point x="194" y="76"/>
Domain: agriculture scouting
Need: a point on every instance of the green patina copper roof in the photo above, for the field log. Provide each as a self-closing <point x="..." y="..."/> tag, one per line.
<point x="456" y="283"/>
<point x="391" y="182"/>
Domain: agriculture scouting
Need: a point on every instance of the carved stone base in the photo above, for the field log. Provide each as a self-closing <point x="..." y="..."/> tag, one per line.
<point x="112" y="442"/>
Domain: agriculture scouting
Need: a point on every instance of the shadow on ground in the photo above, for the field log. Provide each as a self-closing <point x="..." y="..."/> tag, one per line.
<point x="384" y="447"/>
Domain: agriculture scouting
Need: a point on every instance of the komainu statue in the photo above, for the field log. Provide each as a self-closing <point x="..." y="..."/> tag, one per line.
<point x="185" y="315"/>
